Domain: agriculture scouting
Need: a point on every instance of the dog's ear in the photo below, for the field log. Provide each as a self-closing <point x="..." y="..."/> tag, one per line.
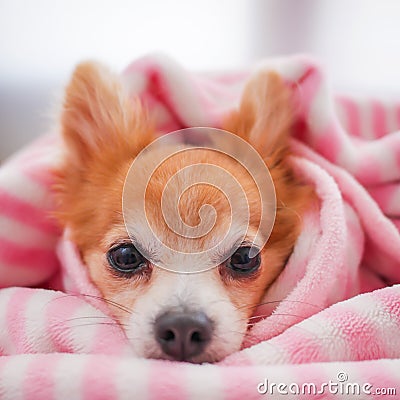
<point x="103" y="131"/>
<point x="265" y="114"/>
<point x="98" y="116"/>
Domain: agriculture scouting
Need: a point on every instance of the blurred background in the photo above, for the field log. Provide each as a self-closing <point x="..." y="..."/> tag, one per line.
<point x="42" y="40"/>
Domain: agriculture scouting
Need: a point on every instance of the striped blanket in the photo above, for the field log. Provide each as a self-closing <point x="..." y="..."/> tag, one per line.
<point x="332" y="318"/>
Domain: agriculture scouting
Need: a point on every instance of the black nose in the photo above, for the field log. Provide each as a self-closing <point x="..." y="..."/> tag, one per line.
<point x="183" y="335"/>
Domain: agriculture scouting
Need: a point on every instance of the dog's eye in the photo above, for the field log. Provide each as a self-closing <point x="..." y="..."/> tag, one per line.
<point x="241" y="262"/>
<point x="125" y="258"/>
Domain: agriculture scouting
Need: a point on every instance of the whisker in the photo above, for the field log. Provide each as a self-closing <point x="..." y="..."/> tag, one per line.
<point x="302" y="317"/>
<point x="296" y="326"/>
<point x="88" y="317"/>
<point x="285" y="207"/>
<point x="78" y="295"/>
<point x="98" y="323"/>
<point x="259" y="316"/>
<point x="280" y="301"/>
<point x="110" y="302"/>
<point x="103" y="299"/>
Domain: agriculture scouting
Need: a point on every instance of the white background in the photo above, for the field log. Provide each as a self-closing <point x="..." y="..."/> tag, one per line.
<point x="42" y="40"/>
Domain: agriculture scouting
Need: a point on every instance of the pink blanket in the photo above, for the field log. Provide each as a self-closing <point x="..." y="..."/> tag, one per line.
<point x="331" y="321"/>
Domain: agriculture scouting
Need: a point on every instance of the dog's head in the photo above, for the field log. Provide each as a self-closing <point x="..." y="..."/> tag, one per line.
<point x="199" y="317"/>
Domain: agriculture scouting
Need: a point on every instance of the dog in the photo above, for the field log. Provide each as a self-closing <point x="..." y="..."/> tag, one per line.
<point x="200" y="317"/>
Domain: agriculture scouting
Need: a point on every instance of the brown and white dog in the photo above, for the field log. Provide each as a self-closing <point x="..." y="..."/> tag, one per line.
<point x="190" y="317"/>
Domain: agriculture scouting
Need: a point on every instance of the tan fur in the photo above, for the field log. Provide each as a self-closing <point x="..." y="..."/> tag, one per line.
<point x="264" y="119"/>
<point x="104" y="131"/>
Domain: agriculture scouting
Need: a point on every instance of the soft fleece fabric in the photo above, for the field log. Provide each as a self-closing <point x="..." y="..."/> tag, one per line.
<point x="335" y="308"/>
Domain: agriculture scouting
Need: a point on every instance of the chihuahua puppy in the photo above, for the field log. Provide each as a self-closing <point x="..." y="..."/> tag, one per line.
<point x="199" y="317"/>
